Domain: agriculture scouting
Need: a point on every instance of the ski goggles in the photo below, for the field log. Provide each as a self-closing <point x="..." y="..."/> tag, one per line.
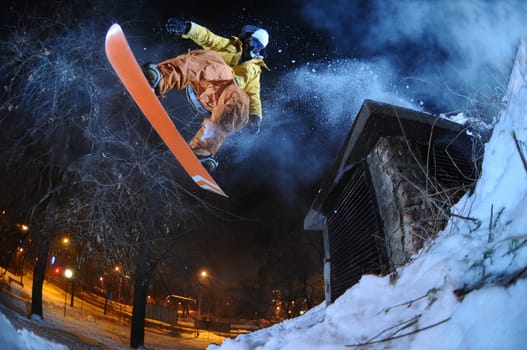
<point x="256" y="44"/>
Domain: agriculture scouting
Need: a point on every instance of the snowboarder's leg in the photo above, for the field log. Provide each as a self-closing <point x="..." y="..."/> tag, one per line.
<point x="208" y="138"/>
<point x="209" y="162"/>
<point x="230" y="115"/>
<point x="232" y="109"/>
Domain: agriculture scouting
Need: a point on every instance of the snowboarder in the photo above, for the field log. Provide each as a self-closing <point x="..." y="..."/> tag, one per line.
<point x="224" y="77"/>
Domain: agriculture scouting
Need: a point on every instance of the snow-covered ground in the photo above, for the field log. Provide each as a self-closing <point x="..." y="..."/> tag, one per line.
<point x="467" y="290"/>
<point x="83" y="326"/>
<point x="22" y="339"/>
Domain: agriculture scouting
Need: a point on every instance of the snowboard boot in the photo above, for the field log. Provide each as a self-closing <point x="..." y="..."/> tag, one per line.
<point x="208" y="162"/>
<point x="153" y="75"/>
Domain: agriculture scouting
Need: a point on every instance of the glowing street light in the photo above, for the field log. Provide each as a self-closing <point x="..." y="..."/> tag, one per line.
<point x="68" y="273"/>
<point x="203" y="274"/>
<point x="22" y="227"/>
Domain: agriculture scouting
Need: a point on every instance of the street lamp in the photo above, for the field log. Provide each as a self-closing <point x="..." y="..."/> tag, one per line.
<point x="203" y="274"/>
<point x="20" y="262"/>
<point x="120" y="275"/>
<point x="68" y="273"/>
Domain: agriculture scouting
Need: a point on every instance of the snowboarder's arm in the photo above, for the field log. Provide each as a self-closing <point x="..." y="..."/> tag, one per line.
<point x="253" y="91"/>
<point x="251" y="85"/>
<point x="207" y="39"/>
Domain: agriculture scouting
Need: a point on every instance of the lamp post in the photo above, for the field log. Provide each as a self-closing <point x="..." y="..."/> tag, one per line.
<point x="23" y="229"/>
<point x="68" y="273"/>
<point x="202" y="275"/>
<point x="20" y="262"/>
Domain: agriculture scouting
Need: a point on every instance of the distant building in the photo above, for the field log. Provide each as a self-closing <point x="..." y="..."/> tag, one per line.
<point x="390" y="189"/>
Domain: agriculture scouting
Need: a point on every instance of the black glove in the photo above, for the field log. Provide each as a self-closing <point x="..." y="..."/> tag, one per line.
<point x="177" y="26"/>
<point x="254" y="123"/>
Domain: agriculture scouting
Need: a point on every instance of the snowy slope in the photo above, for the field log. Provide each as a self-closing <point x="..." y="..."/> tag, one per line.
<point x="23" y="339"/>
<point x="482" y="257"/>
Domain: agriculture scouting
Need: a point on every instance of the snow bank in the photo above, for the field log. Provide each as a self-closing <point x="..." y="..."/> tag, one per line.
<point x="23" y="339"/>
<point x="460" y="293"/>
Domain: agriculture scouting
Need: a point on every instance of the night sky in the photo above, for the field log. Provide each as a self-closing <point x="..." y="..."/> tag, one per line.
<point x="326" y="57"/>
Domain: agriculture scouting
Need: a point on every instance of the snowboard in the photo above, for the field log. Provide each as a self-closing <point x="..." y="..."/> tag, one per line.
<point x="128" y="70"/>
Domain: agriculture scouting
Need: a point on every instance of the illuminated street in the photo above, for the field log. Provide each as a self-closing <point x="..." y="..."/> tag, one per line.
<point x="85" y="326"/>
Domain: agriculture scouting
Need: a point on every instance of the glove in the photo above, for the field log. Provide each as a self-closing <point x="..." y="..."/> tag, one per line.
<point x="254" y="123"/>
<point x="176" y="26"/>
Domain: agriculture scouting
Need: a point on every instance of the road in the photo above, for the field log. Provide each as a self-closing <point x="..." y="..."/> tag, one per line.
<point x="84" y="326"/>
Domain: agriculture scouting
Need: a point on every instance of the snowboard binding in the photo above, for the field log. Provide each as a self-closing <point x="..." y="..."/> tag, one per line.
<point x="153" y="75"/>
<point x="209" y="163"/>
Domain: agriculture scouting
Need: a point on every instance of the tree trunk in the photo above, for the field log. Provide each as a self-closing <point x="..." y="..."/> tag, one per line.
<point x="38" y="278"/>
<point x="40" y="266"/>
<point x="142" y="281"/>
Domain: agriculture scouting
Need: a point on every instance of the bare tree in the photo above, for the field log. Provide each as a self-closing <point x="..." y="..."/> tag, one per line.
<point x="46" y="94"/>
<point x="135" y="207"/>
<point x="80" y="153"/>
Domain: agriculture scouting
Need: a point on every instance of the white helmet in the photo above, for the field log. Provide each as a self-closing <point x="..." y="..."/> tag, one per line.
<point x="262" y="36"/>
<point x="257" y="33"/>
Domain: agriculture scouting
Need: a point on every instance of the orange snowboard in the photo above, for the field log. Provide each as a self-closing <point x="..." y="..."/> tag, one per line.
<point x="125" y="65"/>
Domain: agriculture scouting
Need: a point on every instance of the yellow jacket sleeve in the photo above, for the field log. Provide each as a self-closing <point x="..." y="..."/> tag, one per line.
<point x="248" y="77"/>
<point x="229" y="49"/>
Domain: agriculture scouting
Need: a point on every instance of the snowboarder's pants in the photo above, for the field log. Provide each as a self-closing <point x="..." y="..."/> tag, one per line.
<point x="216" y="88"/>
